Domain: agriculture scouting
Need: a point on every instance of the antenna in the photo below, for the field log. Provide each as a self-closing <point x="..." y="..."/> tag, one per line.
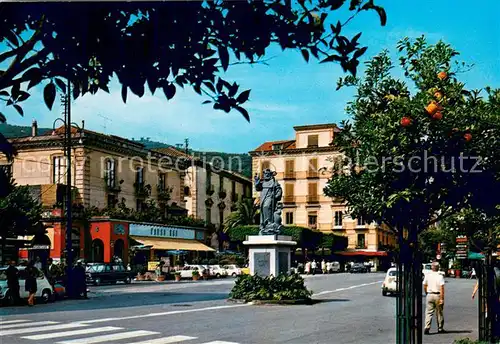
<point x="106" y="119"/>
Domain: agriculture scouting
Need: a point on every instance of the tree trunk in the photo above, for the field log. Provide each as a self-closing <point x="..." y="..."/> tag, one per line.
<point x="409" y="300"/>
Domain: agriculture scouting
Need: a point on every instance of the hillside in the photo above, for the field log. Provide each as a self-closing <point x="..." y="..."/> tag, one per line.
<point x="240" y="163"/>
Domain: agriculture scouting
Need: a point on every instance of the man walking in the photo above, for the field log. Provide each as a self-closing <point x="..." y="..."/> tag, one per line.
<point x="434" y="289"/>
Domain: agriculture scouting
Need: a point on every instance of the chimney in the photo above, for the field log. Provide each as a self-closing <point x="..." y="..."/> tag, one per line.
<point x="34" y="128"/>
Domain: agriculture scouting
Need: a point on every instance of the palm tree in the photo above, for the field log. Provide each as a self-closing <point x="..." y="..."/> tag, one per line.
<point x="246" y="213"/>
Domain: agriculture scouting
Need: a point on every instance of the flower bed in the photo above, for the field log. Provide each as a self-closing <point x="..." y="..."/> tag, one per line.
<point x="283" y="289"/>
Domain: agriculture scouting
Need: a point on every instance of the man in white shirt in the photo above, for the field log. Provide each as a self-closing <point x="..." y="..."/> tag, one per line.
<point x="434" y="289"/>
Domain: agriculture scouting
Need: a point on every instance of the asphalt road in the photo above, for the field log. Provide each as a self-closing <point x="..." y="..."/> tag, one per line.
<point x="352" y="310"/>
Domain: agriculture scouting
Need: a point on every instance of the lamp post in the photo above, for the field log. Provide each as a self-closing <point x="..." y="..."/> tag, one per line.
<point x="68" y="137"/>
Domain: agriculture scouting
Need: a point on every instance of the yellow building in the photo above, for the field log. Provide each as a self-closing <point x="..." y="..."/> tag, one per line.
<point x="303" y="167"/>
<point x="106" y="169"/>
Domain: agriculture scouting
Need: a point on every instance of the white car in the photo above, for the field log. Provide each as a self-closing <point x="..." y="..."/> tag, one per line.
<point x="232" y="270"/>
<point x="45" y="291"/>
<point x="187" y="271"/>
<point x="426" y="268"/>
<point x="217" y="271"/>
<point x="390" y="285"/>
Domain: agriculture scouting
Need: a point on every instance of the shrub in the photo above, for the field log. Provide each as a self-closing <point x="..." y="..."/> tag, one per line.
<point x="281" y="288"/>
<point x="468" y="341"/>
<point x="213" y="262"/>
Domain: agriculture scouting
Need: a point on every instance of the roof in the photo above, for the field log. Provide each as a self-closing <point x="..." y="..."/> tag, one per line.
<point x="172" y="244"/>
<point x="171" y="151"/>
<point x="317" y="126"/>
<point x="268" y="146"/>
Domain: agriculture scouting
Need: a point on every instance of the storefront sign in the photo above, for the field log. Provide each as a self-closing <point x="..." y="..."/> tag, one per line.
<point x="161" y="231"/>
<point x="152" y="265"/>
<point x="462" y="247"/>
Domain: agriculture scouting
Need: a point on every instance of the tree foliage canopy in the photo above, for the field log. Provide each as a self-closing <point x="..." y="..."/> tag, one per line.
<point x="421" y="150"/>
<point x="163" y="45"/>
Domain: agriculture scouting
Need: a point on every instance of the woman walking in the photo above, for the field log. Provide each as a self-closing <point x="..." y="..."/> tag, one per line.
<point x="31" y="286"/>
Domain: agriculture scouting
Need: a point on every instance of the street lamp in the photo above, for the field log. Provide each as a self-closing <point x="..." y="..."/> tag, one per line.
<point x="66" y="99"/>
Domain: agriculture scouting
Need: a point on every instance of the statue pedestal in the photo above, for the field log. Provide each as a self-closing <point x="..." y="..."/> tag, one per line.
<point x="269" y="254"/>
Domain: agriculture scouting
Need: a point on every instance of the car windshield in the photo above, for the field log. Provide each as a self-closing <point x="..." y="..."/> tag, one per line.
<point x="393" y="273"/>
<point x="95" y="268"/>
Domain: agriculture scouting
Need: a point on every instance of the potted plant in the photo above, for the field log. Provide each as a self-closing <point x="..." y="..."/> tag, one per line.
<point x="177" y="276"/>
<point x="196" y="275"/>
<point x="161" y="277"/>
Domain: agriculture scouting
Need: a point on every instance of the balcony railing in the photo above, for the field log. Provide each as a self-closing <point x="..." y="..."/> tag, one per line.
<point x="222" y="194"/>
<point x="234" y="197"/>
<point x="289" y="199"/>
<point x="312" y="199"/>
<point x="312" y="174"/>
<point x="289" y="175"/>
<point x="210" y="190"/>
<point x="142" y="190"/>
<point x="164" y="192"/>
<point x="111" y="187"/>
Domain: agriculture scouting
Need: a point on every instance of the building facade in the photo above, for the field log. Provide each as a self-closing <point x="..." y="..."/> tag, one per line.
<point x="212" y="193"/>
<point x="303" y="166"/>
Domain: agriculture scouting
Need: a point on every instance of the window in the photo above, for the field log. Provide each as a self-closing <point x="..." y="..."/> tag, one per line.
<point x="312" y="141"/>
<point x="234" y="196"/>
<point x="312" y="220"/>
<point x="110" y="173"/>
<point x="162" y="181"/>
<point x="59" y="170"/>
<point x="112" y="200"/>
<point x="312" y="169"/>
<point x="338" y="218"/>
<point x="361" y="241"/>
<point x="313" y="192"/>
<point x="264" y="165"/>
<point x="221" y="182"/>
<point x="361" y="221"/>
<point x="289" y="168"/>
<point x="221" y="216"/>
<point x="289" y="218"/>
<point x="139" y="176"/>
<point x="139" y="205"/>
<point x="277" y="146"/>
<point x="208" y="215"/>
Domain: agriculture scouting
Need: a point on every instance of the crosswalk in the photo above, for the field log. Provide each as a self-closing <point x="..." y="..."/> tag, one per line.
<point x="82" y="333"/>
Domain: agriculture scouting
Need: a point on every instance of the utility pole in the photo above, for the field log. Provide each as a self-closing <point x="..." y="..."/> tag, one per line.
<point x="69" y="204"/>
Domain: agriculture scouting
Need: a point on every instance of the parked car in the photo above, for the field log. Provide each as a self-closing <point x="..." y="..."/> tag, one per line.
<point x="218" y="271"/>
<point x="187" y="271"/>
<point x="335" y="267"/>
<point x="45" y="292"/>
<point x="233" y="270"/>
<point x="99" y="273"/>
<point x="358" y="268"/>
<point x="390" y="284"/>
<point x="426" y="268"/>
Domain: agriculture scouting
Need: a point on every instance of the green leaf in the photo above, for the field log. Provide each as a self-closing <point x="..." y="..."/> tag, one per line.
<point x="16" y="90"/>
<point x="23" y="96"/>
<point x="76" y="90"/>
<point x="3" y="119"/>
<point x="34" y="75"/>
<point x="382" y="15"/>
<point x="224" y="57"/>
<point x="60" y="84"/>
<point x="358" y="53"/>
<point x="243" y="97"/>
<point x="232" y="90"/>
<point x="332" y="58"/>
<point x="19" y="109"/>
<point x="124" y="93"/>
<point x="243" y="112"/>
<point x="207" y="102"/>
<point x="4" y="93"/>
<point x="49" y="94"/>
<point x="305" y="54"/>
<point x="169" y="91"/>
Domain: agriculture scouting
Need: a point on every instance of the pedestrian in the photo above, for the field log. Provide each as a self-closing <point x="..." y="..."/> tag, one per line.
<point x="13" y="282"/>
<point x="314" y="266"/>
<point x="38" y="263"/>
<point x="323" y="266"/>
<point x="80" y="280"/>
<point x="308" y="268"/>
<point x="329" y="266"/>
<point x="30" y="284"/>
<point x="434" y="289"/>
<point x="473" y="273"/>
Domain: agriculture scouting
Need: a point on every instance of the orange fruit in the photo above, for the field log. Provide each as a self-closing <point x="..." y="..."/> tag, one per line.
<point x="405" y="121"/>
<point x="442" y="75"/>
<point x="438" y="95"/>
<point x="432" y="108"/>
<point x="438" y="116"/>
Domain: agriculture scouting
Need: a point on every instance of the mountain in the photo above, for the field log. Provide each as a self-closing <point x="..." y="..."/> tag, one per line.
<point x="240" y="163"/>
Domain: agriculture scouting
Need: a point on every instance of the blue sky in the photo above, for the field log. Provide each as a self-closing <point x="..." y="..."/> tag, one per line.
<point x="288" y="91"/>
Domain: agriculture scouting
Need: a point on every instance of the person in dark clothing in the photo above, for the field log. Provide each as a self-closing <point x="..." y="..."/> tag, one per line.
<point x="13" y="282"/>
<point x="31" y="285"/>
<point x="80" y="280"/>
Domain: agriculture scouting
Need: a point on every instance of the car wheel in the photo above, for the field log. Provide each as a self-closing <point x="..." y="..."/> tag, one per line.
<point x="234" y="274"/>
<point x="384" y="292"/>
<point x="128" y="280"/>
<point x="46" y="296"/>
<point x="97" y="281"/>
<point x="217" y="276"/>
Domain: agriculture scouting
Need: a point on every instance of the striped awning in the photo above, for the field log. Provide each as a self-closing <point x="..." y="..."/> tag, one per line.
<point x="172" y="244"/>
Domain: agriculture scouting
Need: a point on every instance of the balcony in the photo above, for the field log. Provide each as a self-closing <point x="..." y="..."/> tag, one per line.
<point x="289" y="199"/>
<point x="312" y="174"/>
<point x="164" y="192"/>
<point x="312" y="199"/>
<point x="111" y="187"/>
<point x="289" y="175"/>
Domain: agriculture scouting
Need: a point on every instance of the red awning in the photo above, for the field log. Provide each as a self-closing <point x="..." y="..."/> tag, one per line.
<point x="363" y="253"/>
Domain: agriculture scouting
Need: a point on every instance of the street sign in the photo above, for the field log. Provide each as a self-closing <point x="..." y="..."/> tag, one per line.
<point x="462" y="247"/>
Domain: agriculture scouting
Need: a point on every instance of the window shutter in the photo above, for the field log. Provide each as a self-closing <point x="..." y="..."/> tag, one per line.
<point x="289" y="189"/>
<point x="313" y="165"/>
<point x="312" y="141"/>
<point x="313" y="189"/>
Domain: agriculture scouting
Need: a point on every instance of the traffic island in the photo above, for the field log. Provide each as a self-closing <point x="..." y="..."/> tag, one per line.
<point x="285" y="289"/>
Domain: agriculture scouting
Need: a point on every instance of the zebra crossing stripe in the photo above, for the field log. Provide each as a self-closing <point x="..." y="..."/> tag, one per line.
<point x="109" y="337"/>
<point x="27" y="324"/>
<point x="40" y="329"/>
<point x="72" y="333"/>
<point x="220" y="342"/>
<point x="166" y="340"/>
<point x="11" y="322"/>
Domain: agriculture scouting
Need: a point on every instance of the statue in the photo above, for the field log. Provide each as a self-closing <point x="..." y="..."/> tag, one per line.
<point x="270" y="206"/>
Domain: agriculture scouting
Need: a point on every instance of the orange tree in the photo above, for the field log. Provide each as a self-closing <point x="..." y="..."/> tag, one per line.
<point x="416" y="152"/>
